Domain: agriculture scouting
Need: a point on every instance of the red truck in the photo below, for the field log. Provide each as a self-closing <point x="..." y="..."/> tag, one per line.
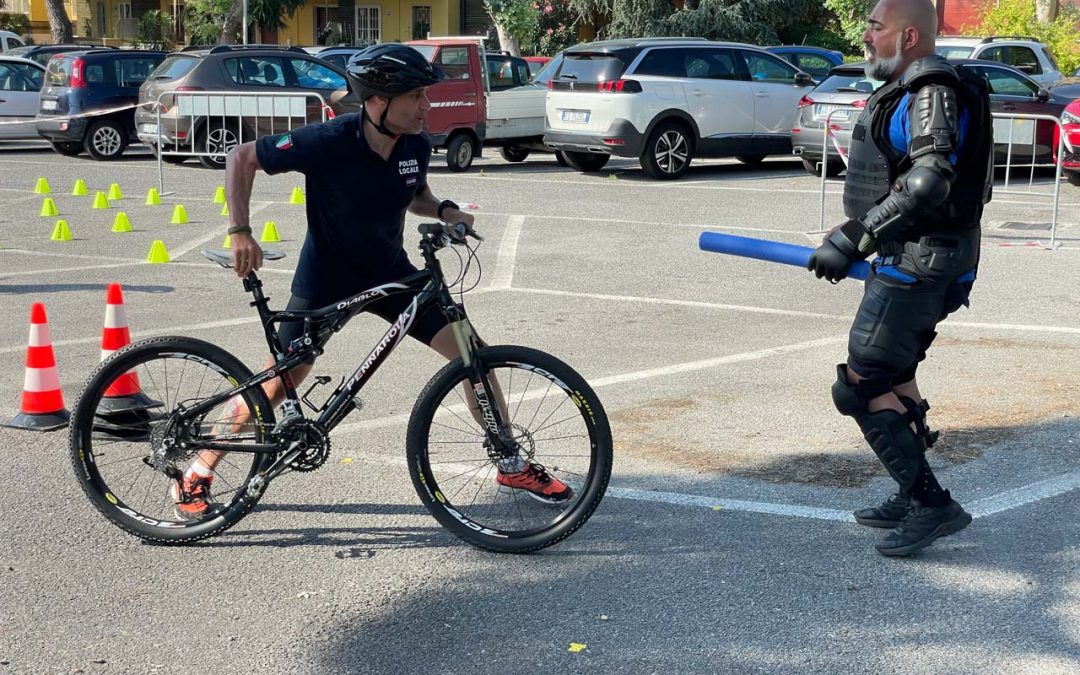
<point x="486" y="99"/>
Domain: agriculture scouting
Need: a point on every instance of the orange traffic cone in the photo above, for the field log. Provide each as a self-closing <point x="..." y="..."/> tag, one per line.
<point x="124" y="393"/>
<point x="42" y="400"/>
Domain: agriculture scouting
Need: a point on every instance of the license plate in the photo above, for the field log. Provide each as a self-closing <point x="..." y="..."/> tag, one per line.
<point x="576" y="116"/>
<point x="838" y="113"/>
<point x="48" y="105"/>
<point x="148" y="128"/>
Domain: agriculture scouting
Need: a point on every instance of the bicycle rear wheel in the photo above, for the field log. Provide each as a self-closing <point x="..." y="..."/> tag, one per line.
<point x="557" y="423"/>
<point x="127" y="448"/>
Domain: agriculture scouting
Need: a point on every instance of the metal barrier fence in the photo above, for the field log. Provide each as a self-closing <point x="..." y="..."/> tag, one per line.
<point x="210" y="123"/>
<point x="1062" y="144"/>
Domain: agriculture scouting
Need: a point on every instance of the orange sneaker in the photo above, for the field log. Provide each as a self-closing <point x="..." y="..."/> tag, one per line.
<point x="192" y="497"/>
<point x="537" y="483"/>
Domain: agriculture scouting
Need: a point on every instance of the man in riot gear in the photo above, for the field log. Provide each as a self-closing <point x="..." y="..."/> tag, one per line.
<point x="919" y="174"/>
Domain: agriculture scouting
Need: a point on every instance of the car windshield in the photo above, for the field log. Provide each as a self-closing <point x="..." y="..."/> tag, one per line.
<point x="848" y="81"/>
<point x="174" y="67"/>
<point x="953" y="51"/>
<point x="427" y="51"/>
<point x="548" y="70"/>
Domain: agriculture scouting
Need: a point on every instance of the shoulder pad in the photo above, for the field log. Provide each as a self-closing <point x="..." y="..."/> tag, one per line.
<point x="929" y="70"/>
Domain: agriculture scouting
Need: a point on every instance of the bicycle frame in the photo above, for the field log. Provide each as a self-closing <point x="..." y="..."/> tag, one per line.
<point x="430" y="289"/>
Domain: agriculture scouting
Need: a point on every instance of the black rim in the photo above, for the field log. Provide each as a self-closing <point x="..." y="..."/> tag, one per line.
<point x="117" y="447"/>
<point x="552" y="424"/>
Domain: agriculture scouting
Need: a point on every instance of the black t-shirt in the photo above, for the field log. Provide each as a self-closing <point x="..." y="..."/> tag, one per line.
<point x="356" y="203"/>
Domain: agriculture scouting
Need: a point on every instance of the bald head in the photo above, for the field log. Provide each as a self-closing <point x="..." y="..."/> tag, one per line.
<point x="918" y="14"/>
<point x="897" y="33"/>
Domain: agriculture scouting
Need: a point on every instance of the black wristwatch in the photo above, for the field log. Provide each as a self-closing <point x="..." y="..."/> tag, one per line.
<point x="239" y="229"/>
<point x="445" y="204"/>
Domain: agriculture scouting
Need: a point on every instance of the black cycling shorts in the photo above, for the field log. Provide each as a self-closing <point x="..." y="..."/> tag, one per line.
<point x="423" y="329"/>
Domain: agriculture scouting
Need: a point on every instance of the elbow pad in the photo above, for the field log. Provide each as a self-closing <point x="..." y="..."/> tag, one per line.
<point x="923" y="188"/>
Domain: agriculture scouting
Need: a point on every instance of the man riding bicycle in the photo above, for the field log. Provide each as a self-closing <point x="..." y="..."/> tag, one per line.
<point x="362" y="171"/>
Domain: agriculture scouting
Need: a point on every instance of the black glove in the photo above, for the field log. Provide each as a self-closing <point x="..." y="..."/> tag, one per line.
<point x="832" y="259"/>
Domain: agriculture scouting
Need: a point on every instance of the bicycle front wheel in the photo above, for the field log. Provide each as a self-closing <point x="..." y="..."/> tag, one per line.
<point x="129" y="446"/>
<point x="560" y="431"/>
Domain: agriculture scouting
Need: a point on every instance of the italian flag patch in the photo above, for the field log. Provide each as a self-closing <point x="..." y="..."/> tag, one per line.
<point x="284" y="143"/>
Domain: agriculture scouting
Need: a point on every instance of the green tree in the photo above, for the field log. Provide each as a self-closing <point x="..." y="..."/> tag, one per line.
<point x="155" y="30"/>
<point x="852" y="15"/>
<point x="205" y="20"/>
<point x="756" y="21"/>
<point x="516" y="21"/>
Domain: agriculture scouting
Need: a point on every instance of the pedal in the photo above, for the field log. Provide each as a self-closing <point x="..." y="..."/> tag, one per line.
<point x="319" y="381"/>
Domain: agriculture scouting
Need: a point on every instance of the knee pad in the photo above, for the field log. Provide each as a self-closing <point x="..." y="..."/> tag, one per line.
<point x="852" y="399"/>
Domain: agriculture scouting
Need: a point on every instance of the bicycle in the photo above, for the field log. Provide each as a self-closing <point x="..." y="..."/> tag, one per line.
<point x="198" y="397"/>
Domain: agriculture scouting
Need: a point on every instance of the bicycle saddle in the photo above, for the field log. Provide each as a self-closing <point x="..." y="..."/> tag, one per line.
<point x="223" y="256"/>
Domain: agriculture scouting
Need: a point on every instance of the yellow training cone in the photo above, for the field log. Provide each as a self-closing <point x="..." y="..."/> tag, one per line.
<point x="152" y="197"/>
<point x="48" y="208"/>
<point x="121" y="223"/>
<point x="42" y="187"/>
<point x="80" y="188"/>
<point x="228" y="241"/>
<point x="225" y="210"/>
<point x="269" y="232"/>
<point x="61" y="231"/>
<point x="219" y="195"/>
<point x="158" y="253"/>
<point x="179" y="215"/>
<point x="114" y="192"/>
<point x="297" y="196"/>
<point x="100" y="201"/>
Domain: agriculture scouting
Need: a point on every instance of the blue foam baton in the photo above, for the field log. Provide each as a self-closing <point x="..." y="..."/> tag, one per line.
<point x="772" y="251"/>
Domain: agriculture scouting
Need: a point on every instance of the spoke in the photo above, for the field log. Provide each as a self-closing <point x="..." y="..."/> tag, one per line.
<point x="481" y="485"/>
<point x="544" y="421"/>
<point x="454" y="477"/>
<point x="452" y="442"/>
<point x="476" y="470"/>
<point x="555" y="424"/>
<point x="522" y="398"/>
<point x="125" y="459"/>
<point x="540" y="405"/>
<point x="460" y="461"/>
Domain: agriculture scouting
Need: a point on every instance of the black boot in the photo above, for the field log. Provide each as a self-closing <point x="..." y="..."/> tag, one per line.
<point x="889" y="515"/>
<point x="922" y="526"/>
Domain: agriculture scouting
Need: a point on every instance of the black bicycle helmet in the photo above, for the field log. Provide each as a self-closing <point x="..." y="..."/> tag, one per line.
<point x="391" y="70"/>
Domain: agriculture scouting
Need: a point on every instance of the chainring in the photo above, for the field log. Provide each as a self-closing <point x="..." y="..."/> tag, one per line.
<point x="316" y="444"/>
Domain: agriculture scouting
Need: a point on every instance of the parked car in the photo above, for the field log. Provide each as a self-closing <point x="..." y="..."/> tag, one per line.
<point x="254" y="69"/>
<point x="536" y="64"/>
<point x="1025" y="54"/>
<point x="79" y="84"/>
<point x="847" y="89"/>
<point x="20" y="87"/>
<point x="1070" y="123"/>
<point x="339" y="56"/>
<point x="666" y="101"/>
<point x="9" y="41"/>
<point x="42" y="53"/>
<point x="1068" y="88"/>
<point x="470" y="111"/>
<point x="817" y="61"/>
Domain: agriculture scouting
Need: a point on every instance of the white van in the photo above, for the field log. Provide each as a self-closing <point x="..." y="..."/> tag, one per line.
<point x="9" y="40"/>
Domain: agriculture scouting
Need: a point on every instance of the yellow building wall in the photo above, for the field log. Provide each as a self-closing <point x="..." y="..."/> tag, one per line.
<point x="396" y="17"/>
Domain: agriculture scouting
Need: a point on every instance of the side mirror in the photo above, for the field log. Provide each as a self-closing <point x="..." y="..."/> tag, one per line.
<point x="803" y="80"/>
<point x="1043" y="95"/>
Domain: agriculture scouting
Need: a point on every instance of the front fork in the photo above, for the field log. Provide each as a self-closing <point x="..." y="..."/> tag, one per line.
<point x="489" y="408"/>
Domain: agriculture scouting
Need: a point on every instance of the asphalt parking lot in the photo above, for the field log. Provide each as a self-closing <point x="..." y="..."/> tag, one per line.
<point x="724" y="543"/>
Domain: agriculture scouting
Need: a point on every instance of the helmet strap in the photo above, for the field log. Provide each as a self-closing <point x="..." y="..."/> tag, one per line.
<point x="380" y="126"/>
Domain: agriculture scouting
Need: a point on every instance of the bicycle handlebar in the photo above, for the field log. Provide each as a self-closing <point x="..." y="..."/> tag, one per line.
<point x="456" y="232"/>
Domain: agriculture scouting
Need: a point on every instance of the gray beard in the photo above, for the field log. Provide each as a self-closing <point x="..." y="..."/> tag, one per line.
<point x="883" y="69"/>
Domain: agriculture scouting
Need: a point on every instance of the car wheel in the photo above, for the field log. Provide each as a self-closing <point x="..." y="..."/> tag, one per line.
<point x="67" y="148"/>
<point x="560" y="158"/>
<point x="668" y="152"/>
<point x="751" y="160"/>
<point x="218" y="138"/>
<point x="1072" y="177"/>
<point x="832" y="169"/>
<point x="513" y="153"/>
<point x="586" y="161"/>
<point x="460" y="152"/>
<point x="105" y="140"/>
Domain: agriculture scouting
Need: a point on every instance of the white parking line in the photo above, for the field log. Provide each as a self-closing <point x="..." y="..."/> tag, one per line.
<point x="625" y="221"/>
<point x="680" y="499"/>
<point x="1027" y="494"/>
<point x="504" y="263"/>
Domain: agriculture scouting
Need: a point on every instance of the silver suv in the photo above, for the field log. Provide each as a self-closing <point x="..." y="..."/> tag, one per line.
<point x="1026" y="54"/>
<point x="666" y="101"/>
